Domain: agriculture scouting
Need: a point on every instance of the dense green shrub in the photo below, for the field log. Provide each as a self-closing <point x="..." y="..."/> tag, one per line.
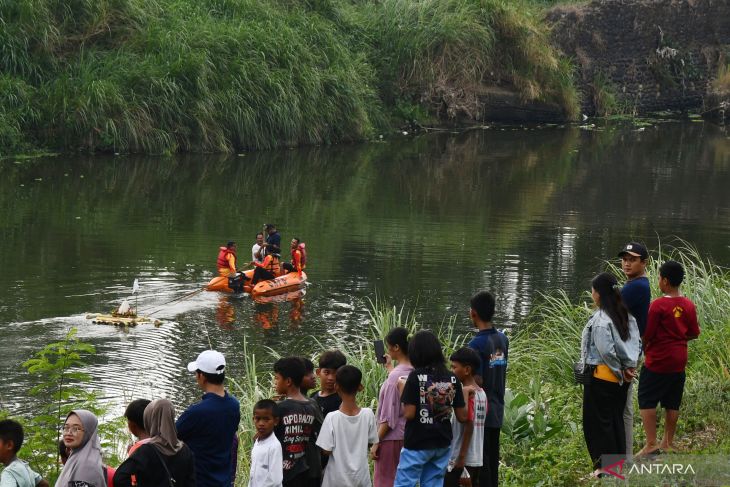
<point x="160" y="76"/>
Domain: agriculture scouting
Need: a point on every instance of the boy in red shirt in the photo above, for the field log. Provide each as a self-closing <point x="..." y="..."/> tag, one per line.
<point x="671" y="323"/>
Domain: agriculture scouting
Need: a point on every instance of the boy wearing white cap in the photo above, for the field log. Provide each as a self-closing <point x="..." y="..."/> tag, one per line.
<point x="209" y="427"/>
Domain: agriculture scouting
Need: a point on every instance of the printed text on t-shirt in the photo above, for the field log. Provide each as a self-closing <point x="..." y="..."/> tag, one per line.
<point x="436" y="399"/>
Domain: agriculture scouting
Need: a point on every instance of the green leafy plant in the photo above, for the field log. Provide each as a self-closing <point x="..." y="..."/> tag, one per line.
<point x="527" y="418"/>
<point x="60" y="387"/>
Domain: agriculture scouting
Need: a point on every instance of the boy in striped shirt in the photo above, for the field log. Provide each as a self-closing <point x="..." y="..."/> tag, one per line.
<point x="467" y="444"/>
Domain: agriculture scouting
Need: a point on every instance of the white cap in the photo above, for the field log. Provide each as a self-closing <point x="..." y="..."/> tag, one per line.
<point x="210" y="362"/>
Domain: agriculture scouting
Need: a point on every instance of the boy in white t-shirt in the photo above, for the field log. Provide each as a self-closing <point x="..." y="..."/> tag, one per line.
<point x="347" y="434"/>
<point x="16" y="473"/>
<point x="467" y="444"/>
<point x="266" y="457"/>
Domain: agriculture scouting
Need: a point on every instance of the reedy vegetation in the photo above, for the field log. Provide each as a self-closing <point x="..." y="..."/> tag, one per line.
<point x="722" y="84"/>
<point x="160" y="76"/>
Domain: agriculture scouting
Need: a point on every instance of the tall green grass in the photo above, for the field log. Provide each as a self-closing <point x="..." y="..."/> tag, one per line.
<point x="168" y="75"/>
<point x="253" y="385"/>
<point x="443" y="52"/>
<point x="160" y="76"/>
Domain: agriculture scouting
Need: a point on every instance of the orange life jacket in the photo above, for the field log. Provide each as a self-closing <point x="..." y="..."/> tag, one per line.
<point x="302" y="255"/>
<point x="272" y="264"/>
<point x="222" y="262"/>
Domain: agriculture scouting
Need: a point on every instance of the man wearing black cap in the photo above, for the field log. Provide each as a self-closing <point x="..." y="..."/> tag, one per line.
<point x="636" y="295"/>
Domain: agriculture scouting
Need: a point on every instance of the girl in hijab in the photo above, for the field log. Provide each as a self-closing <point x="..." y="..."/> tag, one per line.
<point x="83" y="467"/>
<point x="163" y="461"/>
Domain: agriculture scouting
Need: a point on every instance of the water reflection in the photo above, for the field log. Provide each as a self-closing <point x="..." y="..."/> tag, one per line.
<point x="225" y="314"/>
<point x="425" y="220"/>
<point x="267" y="309"/>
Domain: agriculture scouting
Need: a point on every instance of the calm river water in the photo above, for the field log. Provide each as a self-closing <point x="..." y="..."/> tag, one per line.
<point x="423" y="221"/>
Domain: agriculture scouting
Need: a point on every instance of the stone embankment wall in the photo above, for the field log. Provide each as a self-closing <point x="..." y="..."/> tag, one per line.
<point x="649" y="54"/>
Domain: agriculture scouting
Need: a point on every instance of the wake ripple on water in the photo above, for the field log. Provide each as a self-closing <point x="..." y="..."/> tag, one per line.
<point x="143" y="361"/>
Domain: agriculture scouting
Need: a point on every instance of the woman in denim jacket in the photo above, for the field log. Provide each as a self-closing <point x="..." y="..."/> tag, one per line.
<point x="611" y="344"/>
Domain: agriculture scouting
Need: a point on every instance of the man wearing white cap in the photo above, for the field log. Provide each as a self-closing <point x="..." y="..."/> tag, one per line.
<point x="209" y="427"/>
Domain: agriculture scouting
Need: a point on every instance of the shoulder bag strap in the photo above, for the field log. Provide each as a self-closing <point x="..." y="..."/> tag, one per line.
<point x="170" y="478"/>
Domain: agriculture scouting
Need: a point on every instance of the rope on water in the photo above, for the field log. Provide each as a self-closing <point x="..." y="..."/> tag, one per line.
<point x="160" y="307"/>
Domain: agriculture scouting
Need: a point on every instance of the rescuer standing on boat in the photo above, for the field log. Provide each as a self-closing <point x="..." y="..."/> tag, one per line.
<point x="227" y="260"/>
<point x="273" y="239"/>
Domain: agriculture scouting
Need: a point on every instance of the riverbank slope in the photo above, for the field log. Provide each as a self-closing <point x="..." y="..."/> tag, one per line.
<point x="639" y="56"/>
<point x="162" y="76"/>
<point x="165" y="76"/>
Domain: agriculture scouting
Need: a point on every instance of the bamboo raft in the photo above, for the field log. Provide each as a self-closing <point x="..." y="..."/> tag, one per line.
<point x="121" y="321"/>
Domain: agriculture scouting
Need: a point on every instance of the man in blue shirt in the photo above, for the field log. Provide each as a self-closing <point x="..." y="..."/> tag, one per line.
<point x="209" y="427"/>
<point x="493" y="347"/>
<point x="636" y="295"/>
<point x="273" y="239"/>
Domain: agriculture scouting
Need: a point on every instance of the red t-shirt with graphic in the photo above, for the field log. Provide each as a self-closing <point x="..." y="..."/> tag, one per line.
<point x="672" y="321"/>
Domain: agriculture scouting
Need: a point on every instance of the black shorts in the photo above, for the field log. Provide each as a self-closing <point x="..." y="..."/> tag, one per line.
<point x="655" y="388"/>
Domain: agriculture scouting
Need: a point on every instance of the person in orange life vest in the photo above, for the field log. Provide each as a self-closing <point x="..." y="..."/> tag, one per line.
<point x="298" y="257"/>
<point x="268" y="269"/>
<point x="227" y="260"/>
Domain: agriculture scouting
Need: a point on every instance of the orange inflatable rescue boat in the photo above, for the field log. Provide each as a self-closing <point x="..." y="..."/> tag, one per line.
<point x="279" y="285"/>
<point x="220" y="283"/>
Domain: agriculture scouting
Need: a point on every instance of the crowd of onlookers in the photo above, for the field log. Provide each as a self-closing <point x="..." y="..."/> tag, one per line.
<point x="435" y="425"/>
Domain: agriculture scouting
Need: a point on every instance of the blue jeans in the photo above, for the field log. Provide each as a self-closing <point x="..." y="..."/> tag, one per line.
<point x="426" y="467"/>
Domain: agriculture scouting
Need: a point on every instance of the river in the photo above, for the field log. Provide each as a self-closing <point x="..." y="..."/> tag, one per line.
<point x="423" y="220"/>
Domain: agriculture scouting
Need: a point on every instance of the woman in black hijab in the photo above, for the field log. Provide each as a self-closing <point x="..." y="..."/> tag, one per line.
<point x="162" y="462"/>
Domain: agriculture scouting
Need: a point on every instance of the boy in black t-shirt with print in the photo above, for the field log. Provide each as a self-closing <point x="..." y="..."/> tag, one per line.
<point x="297" y="423"/>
